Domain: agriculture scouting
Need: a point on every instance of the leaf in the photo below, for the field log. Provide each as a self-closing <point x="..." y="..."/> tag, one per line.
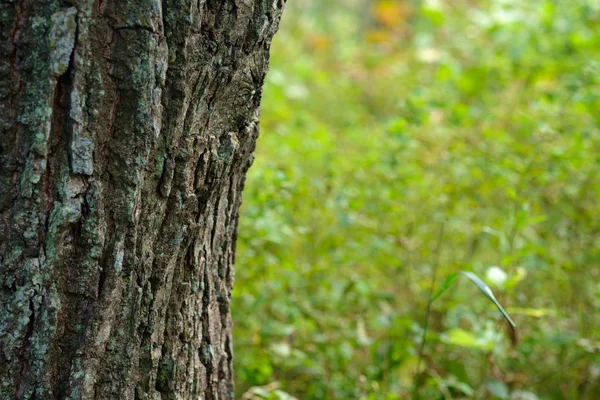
<point x="532" y="312"/>
<point x="462" y="386"/>
<point x="281" y="395"/>
<point x="449" y="281"/>
<point x="485" y="289"/>
<point x="464" y="338"/>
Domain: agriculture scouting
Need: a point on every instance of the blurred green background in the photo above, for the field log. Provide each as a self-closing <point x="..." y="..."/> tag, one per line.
<point x="403" y="141"/>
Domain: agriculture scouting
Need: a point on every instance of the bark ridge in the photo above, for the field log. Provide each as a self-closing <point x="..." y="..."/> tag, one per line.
<point x="126" y="130"/>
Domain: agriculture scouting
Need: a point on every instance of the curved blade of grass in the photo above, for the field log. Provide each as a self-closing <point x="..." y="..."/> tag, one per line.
<point x="485" y="289"/>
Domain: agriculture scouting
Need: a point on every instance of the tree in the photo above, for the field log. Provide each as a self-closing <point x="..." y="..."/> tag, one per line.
<point x="126" y="130"/>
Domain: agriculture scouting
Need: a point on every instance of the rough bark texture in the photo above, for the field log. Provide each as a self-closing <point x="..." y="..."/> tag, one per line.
<point x="126" y="130"/>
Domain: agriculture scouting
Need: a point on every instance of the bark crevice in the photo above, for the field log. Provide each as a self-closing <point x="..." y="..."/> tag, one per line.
<point x="126" y="130"/>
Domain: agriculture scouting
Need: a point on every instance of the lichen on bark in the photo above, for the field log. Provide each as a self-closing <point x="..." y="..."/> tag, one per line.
<point x="126" y="130"/>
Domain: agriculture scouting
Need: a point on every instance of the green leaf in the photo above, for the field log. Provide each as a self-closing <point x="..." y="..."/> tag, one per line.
<point x="533" y="312"/>
<point x="449" y="280"/>
<point x="464" y="338"/>
<point x="485" y="289"/>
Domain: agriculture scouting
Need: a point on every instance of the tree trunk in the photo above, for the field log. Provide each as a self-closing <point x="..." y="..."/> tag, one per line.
<point x="126" y="130"/>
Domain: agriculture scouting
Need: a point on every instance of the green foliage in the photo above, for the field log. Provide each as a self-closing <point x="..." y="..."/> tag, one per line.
<point x="382" y="120"/>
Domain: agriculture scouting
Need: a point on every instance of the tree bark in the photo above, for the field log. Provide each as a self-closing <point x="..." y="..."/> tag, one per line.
<point x="126" y="130"/>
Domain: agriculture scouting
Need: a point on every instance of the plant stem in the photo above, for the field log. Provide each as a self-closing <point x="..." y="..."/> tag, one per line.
<point x="434" y="270"/>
